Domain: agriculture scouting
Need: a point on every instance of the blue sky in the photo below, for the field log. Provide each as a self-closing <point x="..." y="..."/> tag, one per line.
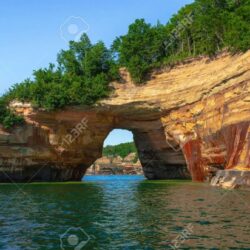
<point x="33" y="32"/>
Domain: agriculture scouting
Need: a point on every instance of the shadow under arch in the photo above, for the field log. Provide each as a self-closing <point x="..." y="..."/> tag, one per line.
<point x="158" y="158"/>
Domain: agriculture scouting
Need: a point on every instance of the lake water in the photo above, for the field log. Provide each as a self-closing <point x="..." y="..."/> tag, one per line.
<point x="123" y="212"/>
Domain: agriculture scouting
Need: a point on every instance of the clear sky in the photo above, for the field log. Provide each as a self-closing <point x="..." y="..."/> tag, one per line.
<point x="33" y="31"/>
<point x="118" y="136"/>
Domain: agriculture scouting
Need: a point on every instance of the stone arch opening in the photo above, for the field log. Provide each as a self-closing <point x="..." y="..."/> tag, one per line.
<point x="159" y="158"/>
<point x="119" y="155"/>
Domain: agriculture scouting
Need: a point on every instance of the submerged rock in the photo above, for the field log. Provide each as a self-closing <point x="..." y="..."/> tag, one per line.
<point x="231" y="179"/>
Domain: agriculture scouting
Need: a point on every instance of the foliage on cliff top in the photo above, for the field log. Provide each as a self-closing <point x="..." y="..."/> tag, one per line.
<point x="82" y="76"/>
<point x="7" y="118"/>
<point x="83" y="72"/>
<point x="122" y="150"/>
<point x="204" y="27"/>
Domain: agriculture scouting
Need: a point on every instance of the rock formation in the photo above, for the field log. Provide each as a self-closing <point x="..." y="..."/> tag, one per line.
<point x="189" y="120"/>
<point x="113" y="165"/>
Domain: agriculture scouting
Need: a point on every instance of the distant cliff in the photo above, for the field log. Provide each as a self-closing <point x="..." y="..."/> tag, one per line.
<point x="112" y="165"/>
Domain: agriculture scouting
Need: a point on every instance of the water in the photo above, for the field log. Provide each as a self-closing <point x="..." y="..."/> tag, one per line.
<point x="123" y="212"/>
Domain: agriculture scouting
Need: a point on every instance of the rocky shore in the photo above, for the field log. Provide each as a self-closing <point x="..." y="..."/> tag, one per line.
<point x="116" y="166"/>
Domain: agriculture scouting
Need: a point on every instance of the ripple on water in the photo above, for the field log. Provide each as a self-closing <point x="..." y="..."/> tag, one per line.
<point x="124" y="212"/>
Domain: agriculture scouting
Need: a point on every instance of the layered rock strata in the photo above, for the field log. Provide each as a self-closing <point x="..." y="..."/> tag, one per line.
<point x="188" y="122"/>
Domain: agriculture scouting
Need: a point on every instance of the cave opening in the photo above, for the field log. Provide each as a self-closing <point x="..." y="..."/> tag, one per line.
<point x="119" y="155"/>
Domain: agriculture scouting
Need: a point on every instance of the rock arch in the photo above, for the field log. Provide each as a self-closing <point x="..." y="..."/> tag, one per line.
<point x="159" y="159"/>
<point x="60" y="146"/>
<point x="196" y="113"/>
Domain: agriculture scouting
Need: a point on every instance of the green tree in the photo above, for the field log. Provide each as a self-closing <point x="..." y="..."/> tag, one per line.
<point x="139" y="49"/>
<point x="81" y="77"/>
<point x="7" y="118"/>
<point x="122" y="150"/>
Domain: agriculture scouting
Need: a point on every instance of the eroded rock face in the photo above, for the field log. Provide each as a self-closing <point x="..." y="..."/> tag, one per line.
<point x="188" y="121"/>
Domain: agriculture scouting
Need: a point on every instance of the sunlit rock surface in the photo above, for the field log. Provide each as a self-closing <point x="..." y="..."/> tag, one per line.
<point x="116" y="165"/>
<point x="188" y="122"/>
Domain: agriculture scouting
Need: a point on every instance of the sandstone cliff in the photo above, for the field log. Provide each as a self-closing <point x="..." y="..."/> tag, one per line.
<point x="190" y="120"/>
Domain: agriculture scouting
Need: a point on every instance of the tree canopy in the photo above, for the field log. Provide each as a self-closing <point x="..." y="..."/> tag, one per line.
<point x="122" y="150"/>
<point x="204" y="27"/>
<point x="82" y="76"/>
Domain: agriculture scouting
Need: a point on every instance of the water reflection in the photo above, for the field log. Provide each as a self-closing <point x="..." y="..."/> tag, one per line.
<point x="220" y="218"/>
<point x="36" y="218"/>
<point x="125" y="212"/>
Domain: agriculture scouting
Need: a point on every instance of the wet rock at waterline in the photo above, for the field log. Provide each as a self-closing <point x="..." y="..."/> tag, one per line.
<point x="231" y="179"/>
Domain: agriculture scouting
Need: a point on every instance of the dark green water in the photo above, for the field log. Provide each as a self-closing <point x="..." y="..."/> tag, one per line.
<point x="123" y="212"/>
